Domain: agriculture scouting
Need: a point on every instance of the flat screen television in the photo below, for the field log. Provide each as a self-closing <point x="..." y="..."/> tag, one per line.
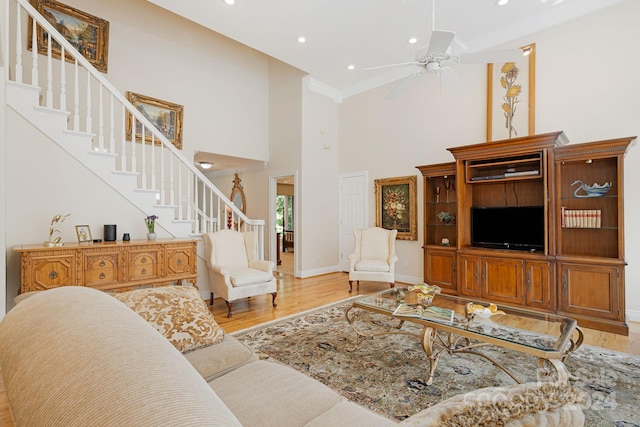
<point x="518" y="228"/>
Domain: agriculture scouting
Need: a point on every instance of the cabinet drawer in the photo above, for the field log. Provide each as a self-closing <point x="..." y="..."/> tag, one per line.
<point x="144" y="265"/>
<point x="102" y="269"/>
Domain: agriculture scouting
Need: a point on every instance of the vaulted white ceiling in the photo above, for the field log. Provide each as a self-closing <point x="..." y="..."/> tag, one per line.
<point x="366" y="33"/>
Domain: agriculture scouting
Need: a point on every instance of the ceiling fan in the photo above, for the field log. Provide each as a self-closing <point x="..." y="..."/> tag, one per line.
<point x="436" y="58"/>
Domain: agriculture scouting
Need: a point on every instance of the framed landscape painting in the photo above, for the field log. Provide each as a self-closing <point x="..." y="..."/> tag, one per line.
<point x="87" y="33"/>
<point x="165" y="116"/>
<point x="396" y="206"/>
<point x="511" y="97"/>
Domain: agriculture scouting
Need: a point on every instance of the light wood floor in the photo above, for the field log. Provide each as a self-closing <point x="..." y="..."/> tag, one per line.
<point x="297" y="295"/>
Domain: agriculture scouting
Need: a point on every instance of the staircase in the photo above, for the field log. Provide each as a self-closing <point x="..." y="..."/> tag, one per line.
<point x="81" y="111"/>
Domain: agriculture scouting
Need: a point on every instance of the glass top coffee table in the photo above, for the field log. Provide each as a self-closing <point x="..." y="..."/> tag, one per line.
<point x="448" y="328"/>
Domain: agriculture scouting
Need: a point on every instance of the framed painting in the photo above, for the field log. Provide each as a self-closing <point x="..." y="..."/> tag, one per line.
<point x="396" y="206"/>
<point x="84" y="233"/>
<point x="165" y="116"/>
<point x="87" y="33"/>
<point x="511" y="97"/>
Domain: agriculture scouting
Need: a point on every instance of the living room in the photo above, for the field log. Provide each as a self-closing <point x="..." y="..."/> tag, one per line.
<point x="246" y="104"/>
<point x="256" y="106"/>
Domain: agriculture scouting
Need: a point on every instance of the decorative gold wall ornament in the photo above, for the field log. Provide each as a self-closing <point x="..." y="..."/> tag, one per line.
<point x="58" y="219"/>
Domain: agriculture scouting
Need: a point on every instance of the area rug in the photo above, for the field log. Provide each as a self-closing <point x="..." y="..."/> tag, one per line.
<point x="387" y="373"/>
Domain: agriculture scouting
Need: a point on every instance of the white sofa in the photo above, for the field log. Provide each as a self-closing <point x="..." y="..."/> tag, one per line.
<point x="74" y="356"/>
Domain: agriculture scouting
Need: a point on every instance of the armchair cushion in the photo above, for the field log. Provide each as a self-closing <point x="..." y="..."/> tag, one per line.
<point x="375" y="244"/>
<point x="248" y="276"/>
<point x="178" y="313"/>
<point x="372" y="265"/>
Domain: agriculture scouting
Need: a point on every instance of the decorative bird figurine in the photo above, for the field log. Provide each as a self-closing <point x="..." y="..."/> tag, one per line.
<point x="478" y="310"/>
<point x="595" y="190"/>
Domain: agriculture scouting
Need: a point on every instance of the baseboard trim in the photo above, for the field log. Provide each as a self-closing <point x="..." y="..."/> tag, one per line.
<point x="633" y="315"/>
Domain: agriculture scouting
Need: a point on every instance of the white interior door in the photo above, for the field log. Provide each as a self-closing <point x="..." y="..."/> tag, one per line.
<point x="353" y="212"/>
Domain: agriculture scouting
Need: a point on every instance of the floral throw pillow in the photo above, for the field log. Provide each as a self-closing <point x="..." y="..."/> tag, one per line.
<point x="178" y="313"/>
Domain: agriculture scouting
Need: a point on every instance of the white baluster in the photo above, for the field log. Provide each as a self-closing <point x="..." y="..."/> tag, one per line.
<point x="134" y="161"/>
<point x="180" y="203"/>
<point x="34" y="52"/>
<point x="112" y="129"/>
<point x="49" y="74"/>
<point x="63" y="82"/>
<point x="162" y="176"/>
<point x="100" y="120"/>
<point x="153" y="161"/>
<point x="88" y="126"/>
<point x="123" y="140"/>
<point x="19" y="47"/>
<point x="76" y="99"/>
<point x="172" y="195"/>
<point x="143" y="146"/>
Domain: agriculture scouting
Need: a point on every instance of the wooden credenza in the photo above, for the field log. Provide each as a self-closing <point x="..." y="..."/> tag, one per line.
<point x="117" y="266"/>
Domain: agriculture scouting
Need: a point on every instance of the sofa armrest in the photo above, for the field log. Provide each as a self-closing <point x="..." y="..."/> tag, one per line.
<point x="514" y="406"/>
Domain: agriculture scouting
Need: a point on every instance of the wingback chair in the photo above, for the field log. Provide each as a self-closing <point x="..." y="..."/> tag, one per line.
<point x="234" y="270"/>
<point x="374" y="258"/>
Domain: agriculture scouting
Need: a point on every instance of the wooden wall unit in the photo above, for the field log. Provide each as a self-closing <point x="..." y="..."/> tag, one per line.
<point x="579" y="272"/>
<point x="117" y="266"/>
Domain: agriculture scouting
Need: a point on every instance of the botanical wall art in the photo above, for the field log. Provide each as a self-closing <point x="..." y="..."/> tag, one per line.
<point x="165" y="116"/>
<point x="511" y="97"/>
<point x="87" y="33"/>
<point x="396" y="206"/>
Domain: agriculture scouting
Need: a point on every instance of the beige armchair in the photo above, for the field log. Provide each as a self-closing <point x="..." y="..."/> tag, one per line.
<point x="374" y="258"/>
<point x="234" y="270"/>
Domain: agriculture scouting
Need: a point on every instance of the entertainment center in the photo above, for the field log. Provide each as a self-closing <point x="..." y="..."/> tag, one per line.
<point x="537" y="223"/>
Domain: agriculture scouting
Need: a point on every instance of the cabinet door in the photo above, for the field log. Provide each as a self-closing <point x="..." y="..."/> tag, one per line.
<point x="590" y="290"/>
<point x="440" y="269"/>
<point x="469" y="271"/>
<point x="538" y="285"/>
<point x="49" y="271"/>
<point x="180" y="260"/>
<point x="502" y="280"/>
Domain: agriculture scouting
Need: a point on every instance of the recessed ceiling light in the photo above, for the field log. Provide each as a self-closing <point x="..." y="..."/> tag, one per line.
<point x="230" y="2"/>
<point x="351" y="67"/>
<point x="413" y="40"/>
<point x="301" y="39"/>
<point x="502" y="2"/>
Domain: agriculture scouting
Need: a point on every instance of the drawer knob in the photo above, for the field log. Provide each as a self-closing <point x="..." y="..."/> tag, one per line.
<point x="143" y="260"/>
<point x="102" y="264"/>
<point x="53" y="274"/>
<point x="102" y="276"/>
<point x="179" y="262"/>
<point x="144" y="271"/>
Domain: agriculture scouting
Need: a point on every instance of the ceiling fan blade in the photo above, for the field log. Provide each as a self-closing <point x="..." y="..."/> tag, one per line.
<point x="491" y="56"/>
<point x="390" y="65"/>
<point x="401" y="86"/>
<point x="440" y="41"/>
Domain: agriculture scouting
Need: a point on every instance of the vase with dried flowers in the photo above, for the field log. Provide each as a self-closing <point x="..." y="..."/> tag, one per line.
<point x="150" y="222"/>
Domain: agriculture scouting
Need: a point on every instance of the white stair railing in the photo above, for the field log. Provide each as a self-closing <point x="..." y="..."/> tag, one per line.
<point x="97" y="108"/>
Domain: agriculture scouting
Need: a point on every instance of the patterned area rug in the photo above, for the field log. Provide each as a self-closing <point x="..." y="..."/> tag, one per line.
<point x="387" y="373"/>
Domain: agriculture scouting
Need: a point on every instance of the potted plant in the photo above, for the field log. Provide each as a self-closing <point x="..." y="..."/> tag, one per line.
<point x="150" y="222"/>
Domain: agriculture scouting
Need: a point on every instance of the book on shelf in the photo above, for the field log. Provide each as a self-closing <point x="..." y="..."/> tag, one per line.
<point x="581" y="218"/>
<point x="428" y="313"/>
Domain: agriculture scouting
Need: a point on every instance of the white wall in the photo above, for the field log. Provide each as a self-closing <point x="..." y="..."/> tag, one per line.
<point x="586" y="85"/>
<point x="319" y="184"/>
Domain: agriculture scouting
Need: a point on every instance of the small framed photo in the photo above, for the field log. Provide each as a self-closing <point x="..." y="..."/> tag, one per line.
<point x="84" y="233"/>
<point x="165" y="116"/>
<point x="396" y="207"/>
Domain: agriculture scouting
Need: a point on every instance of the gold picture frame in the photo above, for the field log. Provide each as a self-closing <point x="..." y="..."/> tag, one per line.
<point x="87" y="33"/>
<point x="508" y="91"/>
<point x="165" y="116"/>
<point x="84" y="234"/>
<point x="396" y="206"/>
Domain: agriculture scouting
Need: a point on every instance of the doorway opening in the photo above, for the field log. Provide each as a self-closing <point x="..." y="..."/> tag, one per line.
<point x="284" y="211"/>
